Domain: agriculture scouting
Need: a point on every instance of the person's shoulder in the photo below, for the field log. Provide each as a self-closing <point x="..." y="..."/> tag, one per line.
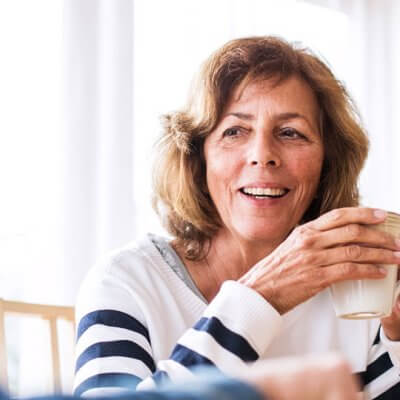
<point x="134" y="253"/>
<point x="129" y="262"/>
<point x="129" y="272"/>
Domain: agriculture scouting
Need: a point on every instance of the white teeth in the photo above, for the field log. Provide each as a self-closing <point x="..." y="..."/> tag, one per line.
<point x="264" y="191"/>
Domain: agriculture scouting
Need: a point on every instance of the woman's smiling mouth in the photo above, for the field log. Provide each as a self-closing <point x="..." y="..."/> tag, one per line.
<point x="262" y="192"/>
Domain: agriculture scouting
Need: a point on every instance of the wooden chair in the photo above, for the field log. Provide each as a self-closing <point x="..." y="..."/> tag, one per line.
<point x="48" y="312"/>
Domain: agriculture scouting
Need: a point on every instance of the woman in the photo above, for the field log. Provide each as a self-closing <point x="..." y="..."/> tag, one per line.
<point x="256" y="181"/>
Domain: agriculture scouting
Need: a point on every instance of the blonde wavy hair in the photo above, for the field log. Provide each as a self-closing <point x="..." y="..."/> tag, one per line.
<point x="180" y="193"/>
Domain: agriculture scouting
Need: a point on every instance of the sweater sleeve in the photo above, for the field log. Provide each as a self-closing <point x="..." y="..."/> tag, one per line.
<point x="235" y="329"/>
<point x="114" y="349"/>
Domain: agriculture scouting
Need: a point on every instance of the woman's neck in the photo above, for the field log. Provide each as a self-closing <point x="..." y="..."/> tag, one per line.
<point x="227" y="259"/>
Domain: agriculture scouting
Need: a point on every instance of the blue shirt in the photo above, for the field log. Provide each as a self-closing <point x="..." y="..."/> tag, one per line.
<point x="204" y="388"/>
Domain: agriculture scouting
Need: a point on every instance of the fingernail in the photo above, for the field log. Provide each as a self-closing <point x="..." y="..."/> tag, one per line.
<point x="397" y="253"/>
<point x="382" y="270"/>
<point x="397" y="241"/>
<point x="380" y="214"/>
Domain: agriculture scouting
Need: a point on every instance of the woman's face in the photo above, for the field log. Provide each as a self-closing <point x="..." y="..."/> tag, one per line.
<point x="264" y="159"/>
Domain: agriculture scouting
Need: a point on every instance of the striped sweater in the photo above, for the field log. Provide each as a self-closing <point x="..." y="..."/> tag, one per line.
<point x="141" y="321"/>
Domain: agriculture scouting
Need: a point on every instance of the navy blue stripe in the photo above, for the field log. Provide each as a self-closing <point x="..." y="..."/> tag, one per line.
<point x="390" y="394"/>
<point x="122" y="348"/>
<point x="120" y="380"/>
<point x="375" y="369"/>
<point x="113" y="318"/>
<point x="377" y="337"/>
<point x="189" y="358"/>
<point x="228" y="339"/>
<point x="161" y="378"/>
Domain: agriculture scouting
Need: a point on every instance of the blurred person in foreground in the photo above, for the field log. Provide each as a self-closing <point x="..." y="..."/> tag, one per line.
<point x="256" y="182"/>
<point x="326" y="377"/>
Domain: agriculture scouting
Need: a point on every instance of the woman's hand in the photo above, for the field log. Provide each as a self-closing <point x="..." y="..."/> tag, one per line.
<point x="335" y="247"/>
<point x="391" y="324"/>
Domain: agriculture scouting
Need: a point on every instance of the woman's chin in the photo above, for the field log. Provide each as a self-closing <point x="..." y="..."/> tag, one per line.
<point x="264" y="233"/>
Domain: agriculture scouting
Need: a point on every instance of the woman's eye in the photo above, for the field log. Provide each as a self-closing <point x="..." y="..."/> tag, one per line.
<point x="291" y="133"/>
<point x="231" y="132"/>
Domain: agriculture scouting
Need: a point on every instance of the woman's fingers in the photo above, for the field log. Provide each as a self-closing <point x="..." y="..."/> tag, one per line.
<point x="353" y="234"/>
<point x="345" y="216"/>
<point x="355" y="253"/>
<point x="349" y="271"/>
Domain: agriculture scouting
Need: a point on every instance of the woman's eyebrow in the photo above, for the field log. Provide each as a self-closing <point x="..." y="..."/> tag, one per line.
<point x="292" y="115"/>
<point x="240" y="115"/>
<point x="282" y="117"/>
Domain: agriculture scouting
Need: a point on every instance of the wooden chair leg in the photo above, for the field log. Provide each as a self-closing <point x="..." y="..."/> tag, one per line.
<point x="55" y="355"/>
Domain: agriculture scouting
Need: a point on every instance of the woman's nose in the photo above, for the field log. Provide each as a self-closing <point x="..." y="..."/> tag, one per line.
<point x="264" y="152"/>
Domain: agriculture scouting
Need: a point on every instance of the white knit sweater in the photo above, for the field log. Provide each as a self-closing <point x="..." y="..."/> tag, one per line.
<point x="140" y="323"/>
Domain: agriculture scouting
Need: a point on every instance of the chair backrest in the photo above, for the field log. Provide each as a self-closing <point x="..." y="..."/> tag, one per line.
<point x="49" y="313"/>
